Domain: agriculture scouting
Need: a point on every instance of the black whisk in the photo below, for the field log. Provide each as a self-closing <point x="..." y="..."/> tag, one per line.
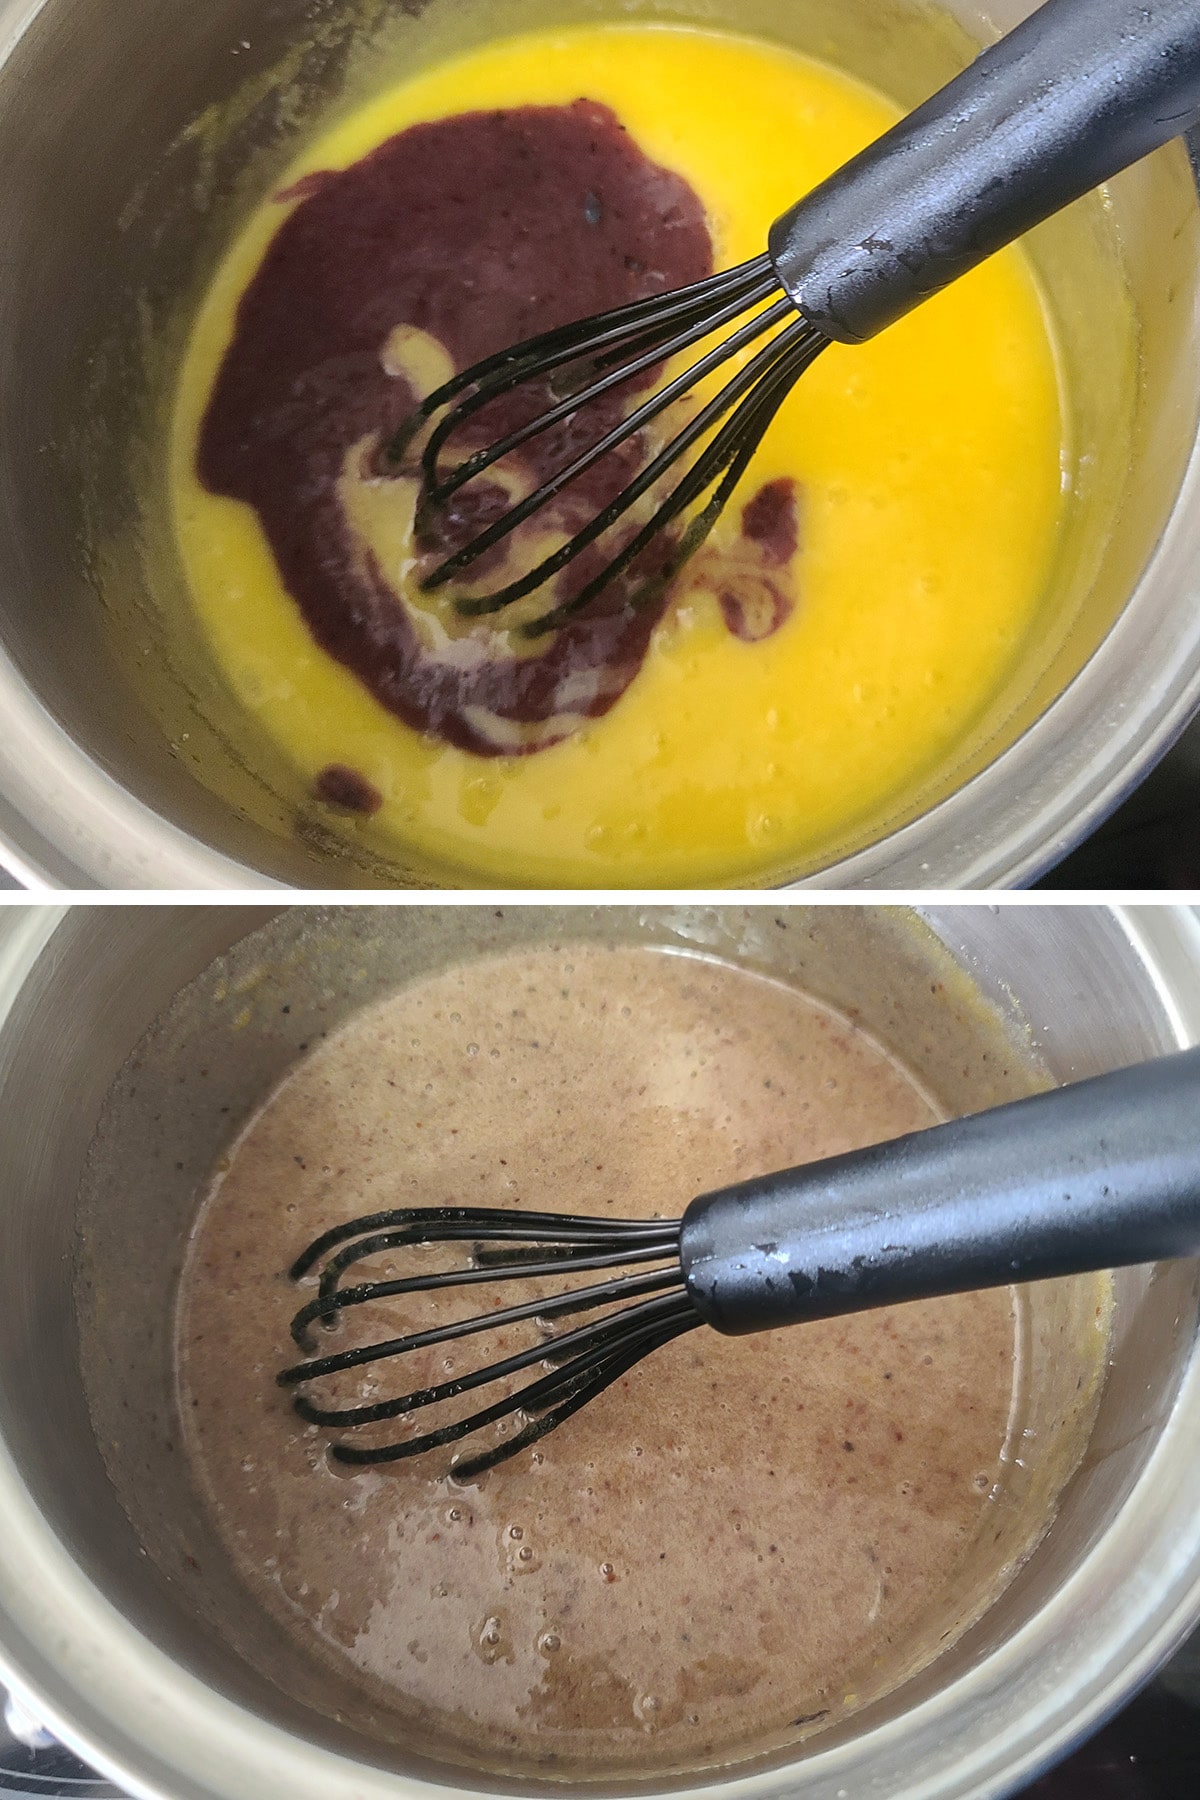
<point x="1074" y="94"/>
<point x="625" y="345"/>
<point x="1092" y="1176"/>
<point x="586" y="1360"/>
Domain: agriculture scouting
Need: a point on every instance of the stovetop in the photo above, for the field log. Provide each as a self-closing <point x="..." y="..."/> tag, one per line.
<point x="47" y="1773"/>
<point x="1150" y="1751"/>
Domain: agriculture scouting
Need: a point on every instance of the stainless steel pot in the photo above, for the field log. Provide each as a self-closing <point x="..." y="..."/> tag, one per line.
<point x="109" y="1645"/>
<point x="125" y="137"/>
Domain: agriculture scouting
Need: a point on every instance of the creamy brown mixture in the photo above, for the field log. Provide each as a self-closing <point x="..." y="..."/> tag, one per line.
<point x="738" y="1542"/>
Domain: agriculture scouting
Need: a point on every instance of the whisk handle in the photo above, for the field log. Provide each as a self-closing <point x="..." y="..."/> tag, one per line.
<point x="1075" y="93"/>
<point x="1093" y="1176"/>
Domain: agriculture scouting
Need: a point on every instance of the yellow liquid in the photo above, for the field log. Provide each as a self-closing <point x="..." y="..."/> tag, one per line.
<point x="929" y="466"/>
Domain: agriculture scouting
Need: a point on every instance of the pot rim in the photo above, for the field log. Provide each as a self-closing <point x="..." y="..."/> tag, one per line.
<point x="132" y="1712"/>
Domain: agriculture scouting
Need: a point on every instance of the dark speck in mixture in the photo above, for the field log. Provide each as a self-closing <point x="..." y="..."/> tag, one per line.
<point x="346" y="789"/>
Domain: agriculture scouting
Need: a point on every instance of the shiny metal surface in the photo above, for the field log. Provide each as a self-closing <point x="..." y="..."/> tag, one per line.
<point x="122" y="762"/>
<point x="121" y="1659"/>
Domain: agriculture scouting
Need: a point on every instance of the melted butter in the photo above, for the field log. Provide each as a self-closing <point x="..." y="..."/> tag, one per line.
<point x="929" y="464"/>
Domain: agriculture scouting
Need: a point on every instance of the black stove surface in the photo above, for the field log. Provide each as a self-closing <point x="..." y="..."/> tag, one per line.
<point x="1150" y="1751"/>
<point x="48" y="1774"/>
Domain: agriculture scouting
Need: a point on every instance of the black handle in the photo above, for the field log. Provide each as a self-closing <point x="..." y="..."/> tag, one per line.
<point x="1093" y="1176"/>
<point x="1077" y="92"/>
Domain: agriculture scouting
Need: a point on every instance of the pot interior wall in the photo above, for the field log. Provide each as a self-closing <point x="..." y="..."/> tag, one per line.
<point x="114" y="215"/>
<point x="170" y="1109"/>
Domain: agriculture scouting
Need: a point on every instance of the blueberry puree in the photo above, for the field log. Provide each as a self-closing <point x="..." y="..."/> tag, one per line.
<point x="478" y="231"/>
<point x="347" y="790"/>
<point x="751" y="579"/>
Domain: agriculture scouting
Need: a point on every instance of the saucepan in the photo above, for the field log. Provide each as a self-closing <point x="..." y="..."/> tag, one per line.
<point x="134" y="138"/>
<point x="166" y="1025"/>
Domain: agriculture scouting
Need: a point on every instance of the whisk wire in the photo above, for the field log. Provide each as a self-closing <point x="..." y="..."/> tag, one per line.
<point x="636" y="421"/>
<point x="578" y="1300"/>
<point x="578" y="1363"/>
<point x="430" y="1224"/>
<point x="395" y="1240"/>
<point x="659" y="347"/>
<point x="737" y="389"/>
<point x="611" y="350"/>
<point x="597" y="332"/>
<point x="583" y="1392"/>
<point x="555" y="1395"/>
<point x="732" y="449"/>
<point x="329" y="1303"/>
<point x="575" y="1350"/>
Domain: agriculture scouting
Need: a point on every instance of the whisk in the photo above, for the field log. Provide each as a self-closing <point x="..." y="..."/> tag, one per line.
<point x="1096" y="1175"/>
<point x="1075" y="93"/>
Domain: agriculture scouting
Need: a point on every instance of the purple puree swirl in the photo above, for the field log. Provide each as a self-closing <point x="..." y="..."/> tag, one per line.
<point x="479" y="230"/>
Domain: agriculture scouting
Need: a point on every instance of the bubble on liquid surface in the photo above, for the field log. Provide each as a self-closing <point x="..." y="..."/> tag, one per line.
<point x="492" y="1641"/>
<point x="648" y="1708"/>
